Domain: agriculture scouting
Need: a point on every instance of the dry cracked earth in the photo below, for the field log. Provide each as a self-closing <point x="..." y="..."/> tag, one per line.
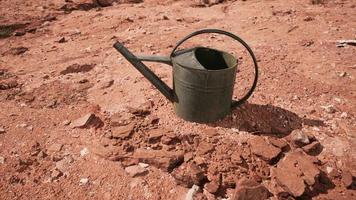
<point x="77" y="121"/>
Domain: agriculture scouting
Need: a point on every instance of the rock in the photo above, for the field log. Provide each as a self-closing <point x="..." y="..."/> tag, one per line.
<point x="139" y="112"/>
<point x="236" y="158"/>
<point x="329" y="109"/>
<point x="204" y="148"/>
<point x="123" y="132"/>
<point x="136" y="170"/>
<point x="280" y="143"/>
<point x="295" y="172"/>
<point x="170" y="138"/>
<point x="87" y="121"/>
<point x="313" y="148"/>
<point x="56" y="174"/>
<point x="2" y="160"/>
<point x="55" y="148"/>
<point x="76" y="68"/>
<point x="250" y="190"/>
<point x="212" y="187"/>
<point x="84" y="152"/>
<point x="191" y="192"/>
<point x="2" y="130"/>
<point x="211" y="132"/>
<point x="144" y="165"/>
<point x="188" y="174"/>
<point x="103" y="3"/>
<point x="8" y="84"/>
<point x="155" y="135"/>
<point x="66" y="122"/>
<point x="62" y="40"/>
<point x="17" y="51"/>
<point x="106" y="84"/>
<point x="299" y="138"/>
<point x="83" y="181"/>
<point x="347" y="178"/>
<point x="161" y="159"/>
<point x="188" y="156"/>
<point x="264" y="150"/>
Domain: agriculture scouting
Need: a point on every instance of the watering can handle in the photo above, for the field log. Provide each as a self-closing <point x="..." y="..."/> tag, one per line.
<point x="249" y="93"/>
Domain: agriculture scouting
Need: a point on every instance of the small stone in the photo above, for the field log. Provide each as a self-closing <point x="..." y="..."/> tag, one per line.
<point x="62" y="40"/>
<point x="22" y="125"/>
<point x="136" y="170"/>
<point x="205" y="148"/>
<point x="280" y="143"/>
<point x="212" y="187"/>
<point x="211" y="132"/>
<point x="344" y="115"/>
<point x="299" y="138"/>
<point x="2" y="130"/>
<point x="312" y="148"/>
<point x="123" y="132"/>
<point x="144" y="165"/>
<point x="264" y="150"/>
<point x="87" y="121"/>
<point x="347" y="178"/>
<point x="83" y="181"/>
<point x="66" y="122"/>
<point x="56" y="174"/>
<point x="106" y="84"/>
<point x="329" y="109"/>
<point x="342" y="74"/>
<point x="76" y="68"/>
<point x="55" y="148"/>
<point x="191" y="192"/>
<point x="30" y="128"/>
<point x="155" y="135"/>
<point x="250" y="190"/>
<point x="2" y="160"/>
<point x="84" y="152"/>
<point x="188" y="174"/>
<point x="188" y="156"/>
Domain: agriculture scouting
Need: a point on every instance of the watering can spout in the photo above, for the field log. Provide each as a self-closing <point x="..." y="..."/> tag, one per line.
<point x="136" y="61"/>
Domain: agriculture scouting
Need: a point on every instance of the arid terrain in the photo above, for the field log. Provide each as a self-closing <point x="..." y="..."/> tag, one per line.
<point x="77" y="121"/>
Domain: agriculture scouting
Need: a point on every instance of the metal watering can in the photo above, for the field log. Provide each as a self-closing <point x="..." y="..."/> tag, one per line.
<point x="203" y="78"/>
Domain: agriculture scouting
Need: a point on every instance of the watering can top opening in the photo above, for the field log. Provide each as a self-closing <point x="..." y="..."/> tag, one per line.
<point x="204" y="59"/>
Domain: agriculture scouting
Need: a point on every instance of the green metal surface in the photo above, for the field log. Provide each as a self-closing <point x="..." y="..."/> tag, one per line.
<point x="203" y="79"/>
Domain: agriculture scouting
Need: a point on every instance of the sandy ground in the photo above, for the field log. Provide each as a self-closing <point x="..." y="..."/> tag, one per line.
<point x="77" y="121"/>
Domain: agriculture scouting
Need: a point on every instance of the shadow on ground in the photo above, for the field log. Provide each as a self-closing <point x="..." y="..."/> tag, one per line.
<point x="265" y="119"/>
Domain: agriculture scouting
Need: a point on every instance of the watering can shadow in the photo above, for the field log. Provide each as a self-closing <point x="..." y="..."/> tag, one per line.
<point x="203" y="78"/>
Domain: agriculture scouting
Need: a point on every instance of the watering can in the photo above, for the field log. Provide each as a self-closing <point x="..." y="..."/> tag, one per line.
<point x="203" y="78"/>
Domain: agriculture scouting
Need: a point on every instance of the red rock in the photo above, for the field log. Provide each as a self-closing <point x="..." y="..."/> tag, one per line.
<point x="262" y="149"/>
<point x="236" y="157"/>
<point x="280" y="143"/>
<point x="188" y="174"/>
<point x="76" y="68"/>
<point x="212" y="187"/>
<point x="211" y="132"/>
<point x="170" y="138"/>
<point x="87" y="121"/>
<point x="295" y="171"/>
<point x="162" y="159"/>
<point x="250" y="190"/>
<point x="204" y="148"/>
<point x="347" y="178"/>
<point x="188" y="156"/>
<point x="136" y="170"/>
<point x="299" y="138"/>
<point x="312" y="148"/>
<point x="123" y="132"/>
<point x="155" y="135"/>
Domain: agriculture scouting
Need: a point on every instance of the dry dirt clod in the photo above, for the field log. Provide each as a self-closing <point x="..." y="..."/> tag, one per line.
<point x="280" y="143"/>
<point x="87" y="121"/>
<point x="264" y="150"/>
<point x="136" y="170"/>
<point x="296" y="172"/>
<point x="347" y="178"/>
<point x="56" y="174"/>
<point x="250" y="190"/>
<point x="162" y="159"/>
<point x="123" y="132"/>
<point x="55" y="148"/>
<point x="299" y="138"/>
<point x="155" y="135"/>
<point x="77" y="68"/>
<point x="188" y="174"/>
<point x="212" y="187"/>
<point x="205" y="148"/>
<point x="312" y="148"/>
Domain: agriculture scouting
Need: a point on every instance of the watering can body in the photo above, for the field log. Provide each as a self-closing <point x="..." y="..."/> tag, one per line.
<point x="203" y="80"/>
